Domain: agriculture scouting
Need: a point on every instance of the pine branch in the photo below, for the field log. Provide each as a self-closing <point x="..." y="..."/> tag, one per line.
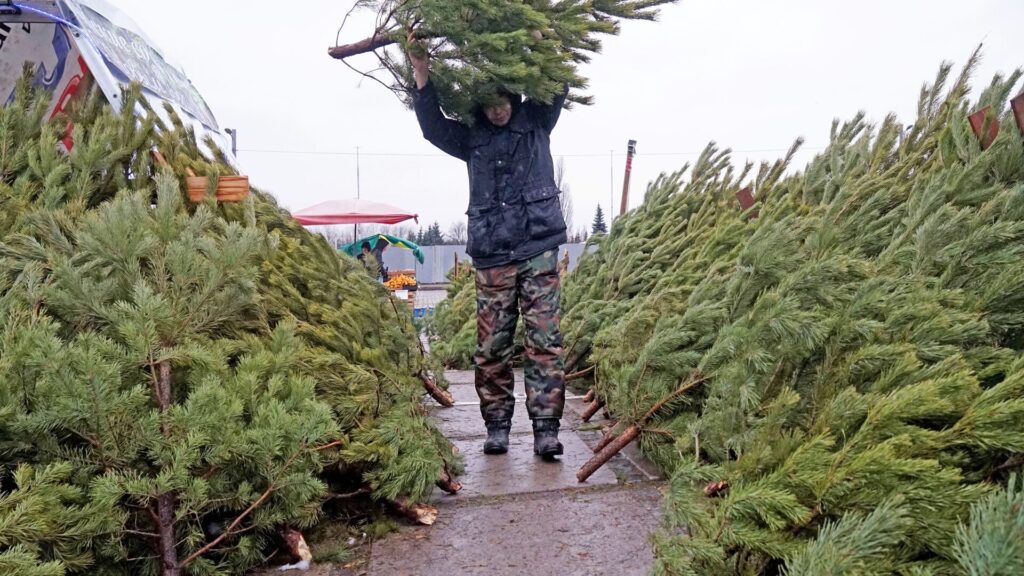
<point x="238" y="520"/>
<point x="579" y="374"/>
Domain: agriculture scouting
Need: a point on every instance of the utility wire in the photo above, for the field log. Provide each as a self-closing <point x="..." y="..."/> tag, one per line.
<point x="439" y="155"/>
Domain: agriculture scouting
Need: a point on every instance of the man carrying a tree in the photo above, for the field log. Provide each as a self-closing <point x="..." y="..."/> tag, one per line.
<point x="514" y="231"/>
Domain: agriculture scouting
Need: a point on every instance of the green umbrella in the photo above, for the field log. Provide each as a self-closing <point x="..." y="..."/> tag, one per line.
<point x="355" y="248"/>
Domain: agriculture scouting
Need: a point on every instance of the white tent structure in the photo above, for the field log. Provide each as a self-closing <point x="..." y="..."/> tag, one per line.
<point x="73" y="44"/>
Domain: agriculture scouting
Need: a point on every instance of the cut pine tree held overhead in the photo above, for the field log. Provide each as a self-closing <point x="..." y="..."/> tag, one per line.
<point x="477" y="47"/>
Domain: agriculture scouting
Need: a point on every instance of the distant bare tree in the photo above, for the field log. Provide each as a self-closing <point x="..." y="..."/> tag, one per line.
<point x="566" y="198"/>
<point x="566" y="201"/>
<point x="403" y="231"/>
<point x="457" y="232"/>
<point x="341" y="235"/>
<point x="371" y="229"/>
<point x="336" y="235"/>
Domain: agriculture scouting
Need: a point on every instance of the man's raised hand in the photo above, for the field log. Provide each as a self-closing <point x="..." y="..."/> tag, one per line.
<point x="419" y="58"/>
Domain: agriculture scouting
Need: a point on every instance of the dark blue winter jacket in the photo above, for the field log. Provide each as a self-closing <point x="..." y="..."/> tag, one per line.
<point x="514" y="212"/>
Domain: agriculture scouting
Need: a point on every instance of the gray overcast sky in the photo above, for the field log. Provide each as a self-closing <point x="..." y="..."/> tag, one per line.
<point x="749" y="74"/>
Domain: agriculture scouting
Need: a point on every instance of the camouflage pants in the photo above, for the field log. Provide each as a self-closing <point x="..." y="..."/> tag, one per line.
<point x="532" y="286"/>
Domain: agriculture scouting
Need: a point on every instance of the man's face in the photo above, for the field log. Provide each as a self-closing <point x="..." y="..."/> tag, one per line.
<point x="500" y="112"/>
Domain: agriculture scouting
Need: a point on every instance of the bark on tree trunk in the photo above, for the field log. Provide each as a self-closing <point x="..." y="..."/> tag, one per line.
<point x="443" y="397"/>
<point x="448" y="483"/>
<point x="168" y="552"/>
<point x="599" y="459"/>
<point x="424" y="514"/>
<point x="629" y="434"/>
<point x="608" y="438"/>
<point x="163" y="396"/>
<point x="165" y="502"/>
<point x="362" y="47"/>
<point x="592" y="409"/>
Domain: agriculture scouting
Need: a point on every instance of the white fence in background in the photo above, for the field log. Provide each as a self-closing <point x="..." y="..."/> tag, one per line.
<point x="438" y="260"/>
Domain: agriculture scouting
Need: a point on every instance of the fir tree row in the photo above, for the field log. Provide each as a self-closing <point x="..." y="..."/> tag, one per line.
<point x="179" y="382"/>
<point x="833" y="377"/>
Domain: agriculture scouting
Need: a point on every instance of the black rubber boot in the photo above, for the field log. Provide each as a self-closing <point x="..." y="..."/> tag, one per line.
<point x="545" y="438"/>
<point x="497" y="436"/>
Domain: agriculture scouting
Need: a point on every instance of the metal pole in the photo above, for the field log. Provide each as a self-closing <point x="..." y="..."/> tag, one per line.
<point x="357" y="173"/>
<point x="234" y="141"/>
<point x="355" y="227"/>
<point x="630" y="151"/>
<point x="611" y="185"/>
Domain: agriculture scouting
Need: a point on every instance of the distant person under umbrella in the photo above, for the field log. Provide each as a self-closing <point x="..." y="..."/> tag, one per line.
<point x="365" y="250"/>
<point x="371" y="257"/>
<point x="378" y="254"/>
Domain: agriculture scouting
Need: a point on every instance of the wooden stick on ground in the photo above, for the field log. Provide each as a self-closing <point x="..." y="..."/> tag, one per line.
<point x="591" y="394"/>
<point x="448" y="483"/>
<point x="443" y="397"/>
<point x="596" y="405"/>
<point x="630" y="433"/>
<point x="424" y="514"/>
<point x="297" y="548"/>
<point x="613" y="448"/>
<point x="609" y="436"/>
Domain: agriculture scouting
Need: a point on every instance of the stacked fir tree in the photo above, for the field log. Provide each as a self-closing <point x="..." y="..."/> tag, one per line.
<point x="834" y="376"/>
<point x="452" y="329"/>
<point x="179" y="382"/>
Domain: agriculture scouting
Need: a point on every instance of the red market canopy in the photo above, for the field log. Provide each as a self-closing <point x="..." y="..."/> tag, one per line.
<point x="352" y="211"/>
